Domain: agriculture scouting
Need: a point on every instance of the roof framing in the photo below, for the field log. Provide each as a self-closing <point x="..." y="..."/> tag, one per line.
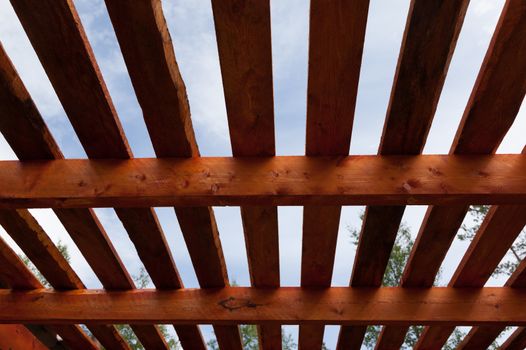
<point x="258" y="181"/>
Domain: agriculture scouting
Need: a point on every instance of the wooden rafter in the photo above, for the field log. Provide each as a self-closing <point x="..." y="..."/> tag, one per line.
<point x="336" y="39"/>
<point x="245" y="55"/>
<point x="500" y="78"/>
<point x="149" y="54"/>
<point x="428" y="44"/>
<point x="30" y="139"/>
<point x="258" y="181"/>
<point x="15" y="275"/>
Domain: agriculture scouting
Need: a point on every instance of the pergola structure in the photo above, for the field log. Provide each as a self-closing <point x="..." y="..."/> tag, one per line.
<point x="258" y="181"/>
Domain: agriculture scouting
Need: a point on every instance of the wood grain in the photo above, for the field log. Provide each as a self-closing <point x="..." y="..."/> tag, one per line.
<point x="516" y="341"/>
<point x="288" y="180"/>
<point x="287" y="305"/>
<point x="484" y="336"/>
<point x="15" y="275"/>
<point x="14" y="336"/>
<point x="49" y="26"/>
<point x="429" y="40"/>
<point x="245" y="55"/>
<point x="149" y="55"/>
<point x="491" y="110"/>
<point x="336" y="39"/>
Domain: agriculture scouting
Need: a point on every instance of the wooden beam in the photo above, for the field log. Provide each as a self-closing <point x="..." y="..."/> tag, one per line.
<point x="245" y="54"/>
<point x="484" y="336"/>
<point x="516" y="341"/>
<point x="28" y="136"/>
<point x="46" y="257"/>
<point x="287" y="305"/>
<point x="15" y="275"/>
<point x="500" y="78"/>
<point x="14" y="336"/>
<point x="336" y="39"/>
<point x="149" y="55"/>
<point x="426" y="179"/>
<point x="429" y="40"/>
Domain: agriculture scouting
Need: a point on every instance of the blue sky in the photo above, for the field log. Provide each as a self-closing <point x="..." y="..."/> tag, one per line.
<point x="191" y="26"/>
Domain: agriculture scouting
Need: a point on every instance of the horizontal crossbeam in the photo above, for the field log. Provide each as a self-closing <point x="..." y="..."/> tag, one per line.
<point x="289" y="305"/>
<point x="354" y="180"/>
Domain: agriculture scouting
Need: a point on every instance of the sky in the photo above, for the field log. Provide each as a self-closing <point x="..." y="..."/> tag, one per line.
<point x="191" y="26"/>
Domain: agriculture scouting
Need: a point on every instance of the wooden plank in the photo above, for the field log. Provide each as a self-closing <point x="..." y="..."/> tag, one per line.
<point x="46" y="257"/>
<point x="335" y="56"/>
<point x="148" y="52"/>
<point x="516" y="341"/>
<point x="429" y="40"/>
<point x="287" y="305"/>
<point x="479" y="338"/>
<point x="336" y="39"/>
<point x="287" y="180"/>
<point x="498" y="231"/>
<point x="500" y="78"/>
<point x="27" y="134"/>
<point x="30" y="139"/>
<point x="483" y="336"/>
<point x="14" y="336"/>
<point x="47" y="337"/>
<point x="245" y="55"/>
<point x="39" y="248"/>
<point x="15" y="275"/>
<point x="13" y="272"/>
<point x="149" y="55"/>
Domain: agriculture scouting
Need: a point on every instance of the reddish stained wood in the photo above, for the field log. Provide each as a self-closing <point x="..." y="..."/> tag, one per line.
<point x="370" y="262"/>
<point x="55" y="31"/>
<point x="92" y="240"/>
<point x="15" y="274"/>
<point x="74" y="337"/>
<point x="391" y="337"/>
<point x="153" y="67"/>
<point x="46" y="257"/>
<point x="499" y="90"/>
<point x="14" y="336"/>
<point x="498" y="231"/>
<point x="287" y="305"/>
<point x="486" y="121"/>
<point x="434" y="338"/>
<point x="288" y="180"/>
<point x="39" y="248"/>
<point x="351" y="337"/>
<point x="336" y="38"/>
<point x="516" y="341"/>
<point x="30" y="139"/>
<point x="149" y="55"/>
<point x="89" y="106"/>
<point x="479" y="338"/>
<point x="428" y="44"/>
<point x="335" y="56"/>
<point x="320" y="231"/>
<point x="483" y="336"/>
<point x="245" y="55"/>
